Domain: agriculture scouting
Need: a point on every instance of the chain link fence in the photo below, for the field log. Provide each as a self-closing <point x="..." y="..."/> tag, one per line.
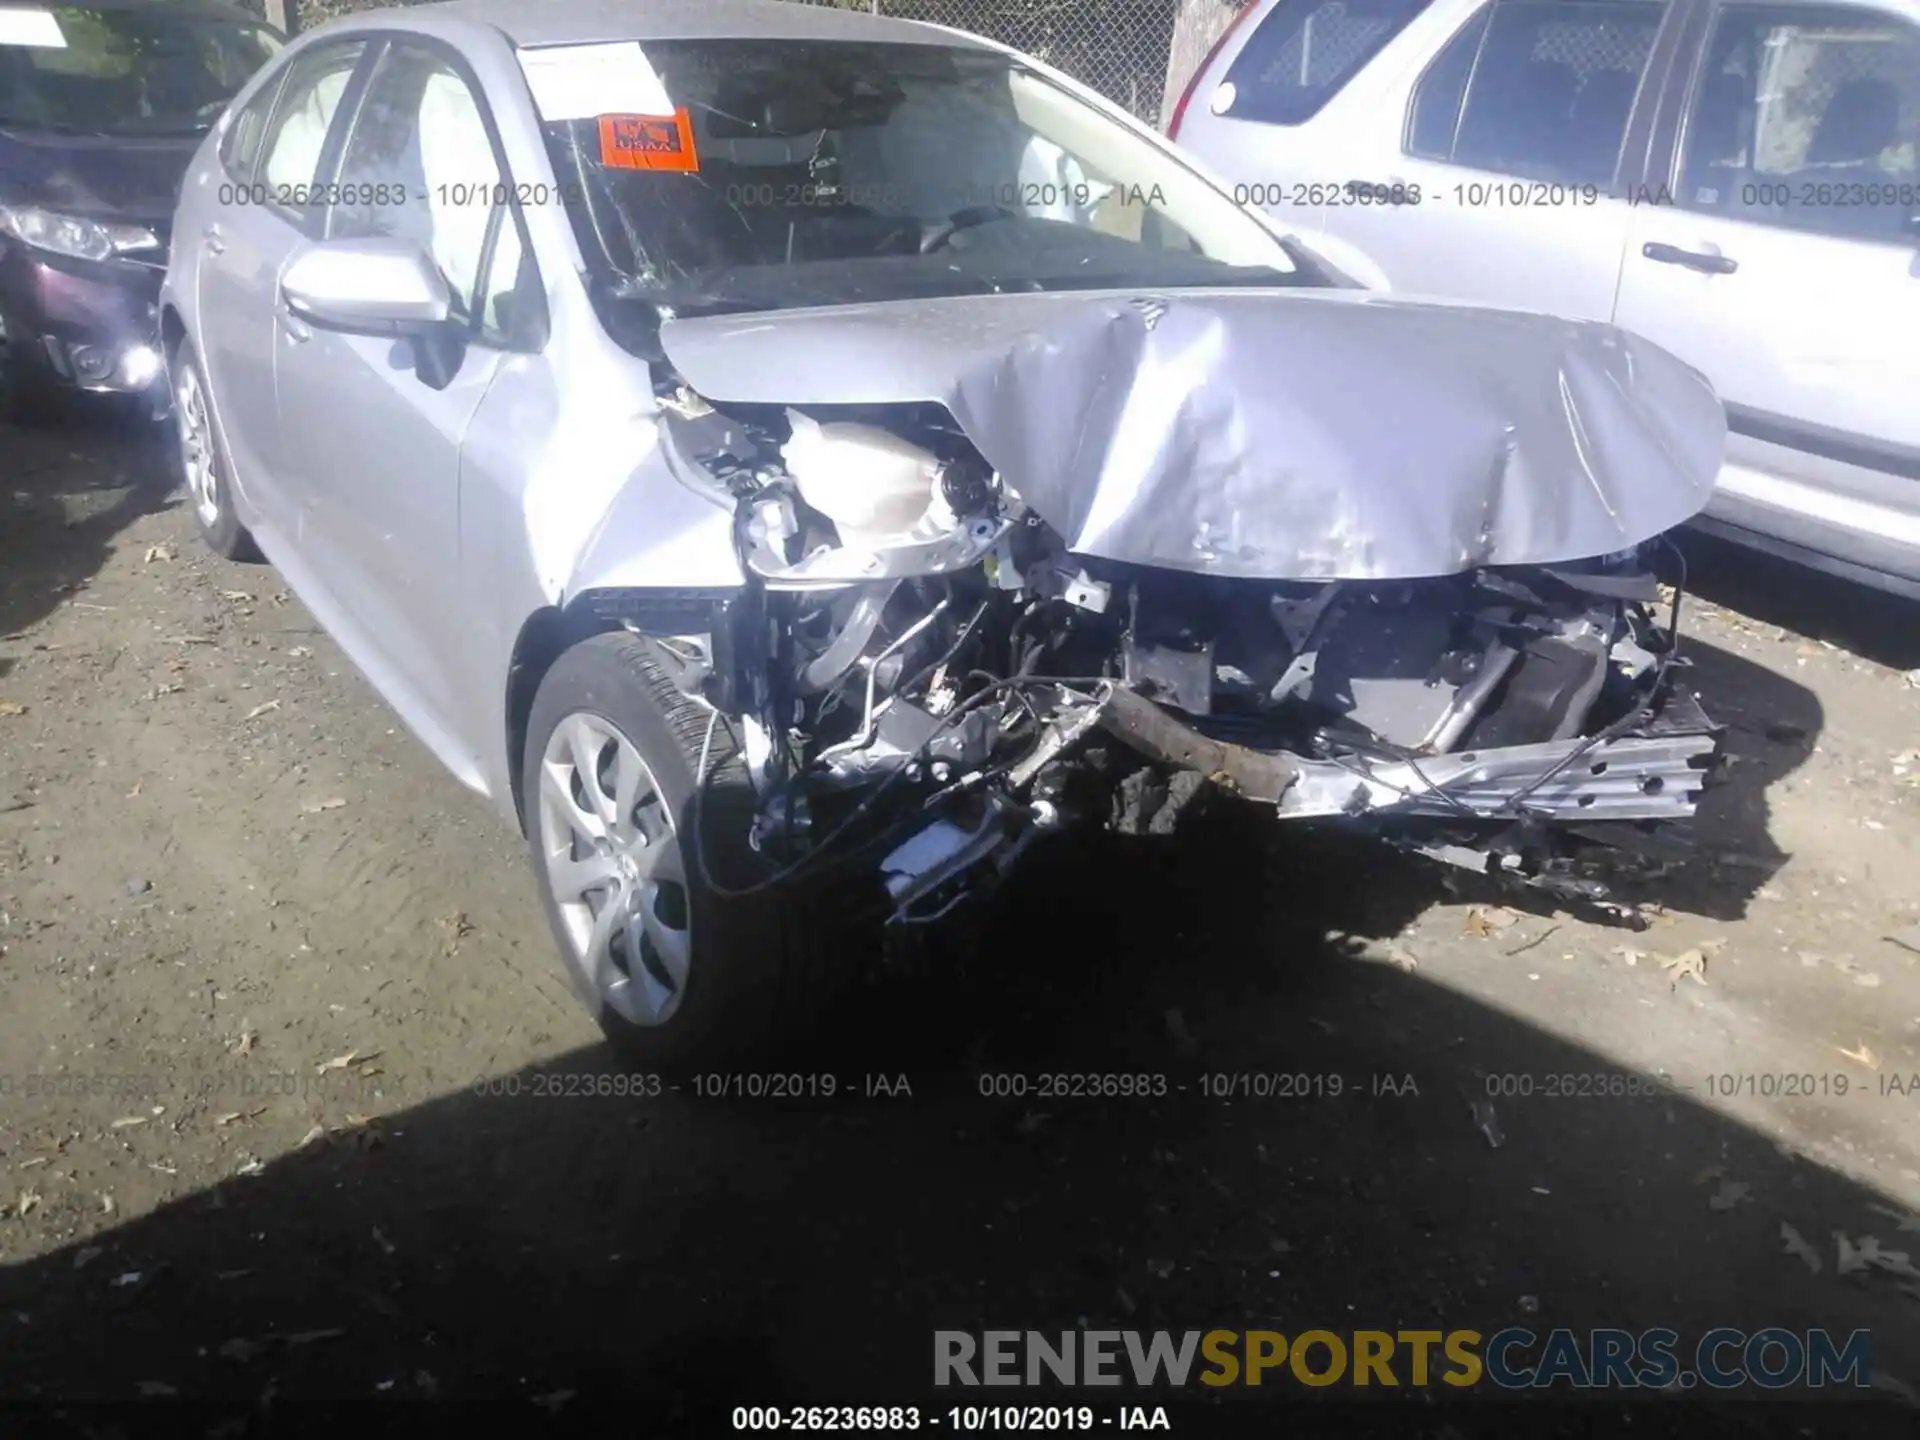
<point x="1118" y="47"/>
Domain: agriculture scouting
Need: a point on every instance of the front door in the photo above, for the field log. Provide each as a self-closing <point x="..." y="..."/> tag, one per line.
<point x="376" y="425"/>
<point x="1786" y="268"/>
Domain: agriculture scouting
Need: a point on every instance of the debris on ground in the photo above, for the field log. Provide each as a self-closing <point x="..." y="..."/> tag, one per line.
<point x="457" y="928"/>
<point x="1729" y="1194"/>
<point x="259" y="710"/>
<point x="1862" y="1056"/>
<point x="158" y="552"/>
<point x="1488" y="920"/>
<point x="1794" y="1243"/>
<point x="1687" y="962"/>
<point x="1487" y="1122"/>
<point x="1529" y="944"/>
<point x="1867" y="1255"/>
<point x="316" y="806"/>
<point x="1907" y="939"/>
<point x="1902" y="1220"/>
<point x="12" y="707"/>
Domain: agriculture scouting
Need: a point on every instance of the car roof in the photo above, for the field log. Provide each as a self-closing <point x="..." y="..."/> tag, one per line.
<point x="577" y="22"/>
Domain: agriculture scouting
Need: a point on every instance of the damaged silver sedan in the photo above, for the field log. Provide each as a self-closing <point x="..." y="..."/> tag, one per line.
<point x="792" y="461"/>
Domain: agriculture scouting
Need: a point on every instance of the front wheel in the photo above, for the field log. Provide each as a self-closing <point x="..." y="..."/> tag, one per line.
<point x="679" y="975"/>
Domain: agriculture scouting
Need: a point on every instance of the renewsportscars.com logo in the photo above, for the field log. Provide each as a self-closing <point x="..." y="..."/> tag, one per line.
<point x="1510" y="1359"/>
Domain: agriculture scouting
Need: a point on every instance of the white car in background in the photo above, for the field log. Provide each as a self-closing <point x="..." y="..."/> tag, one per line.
<point x="1737" y="182"/>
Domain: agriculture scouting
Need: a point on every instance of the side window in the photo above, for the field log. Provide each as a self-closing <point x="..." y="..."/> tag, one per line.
<point x="419" y="165"/>
<point x="1304" y="52"/>
<point x="241" y="147"/>
<point x="309" y="98"/>
<point x="1435" y="119"/>
<point x="1540" y="89"/>
<point x="510" y="285"/>
<point x="1808" y="118"/>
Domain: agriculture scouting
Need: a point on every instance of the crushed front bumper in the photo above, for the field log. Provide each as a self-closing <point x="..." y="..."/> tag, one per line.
<point x="1654" y="772"/>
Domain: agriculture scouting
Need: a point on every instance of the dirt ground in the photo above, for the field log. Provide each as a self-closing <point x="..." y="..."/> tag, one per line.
<point x="295" y="1105"/>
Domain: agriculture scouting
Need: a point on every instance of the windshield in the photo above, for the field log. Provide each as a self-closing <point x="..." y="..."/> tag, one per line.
<point x="133" y="71"/>
<point x="822" y="173"/>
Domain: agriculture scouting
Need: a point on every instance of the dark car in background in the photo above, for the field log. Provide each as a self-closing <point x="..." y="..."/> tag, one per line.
<point x="102" y="105"/>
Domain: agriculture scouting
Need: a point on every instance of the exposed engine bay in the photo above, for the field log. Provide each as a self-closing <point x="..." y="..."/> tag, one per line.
<point x="923" y="680"/>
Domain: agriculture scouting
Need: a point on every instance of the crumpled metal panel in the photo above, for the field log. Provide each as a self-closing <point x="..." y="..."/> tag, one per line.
<point x="1276" y="434"/>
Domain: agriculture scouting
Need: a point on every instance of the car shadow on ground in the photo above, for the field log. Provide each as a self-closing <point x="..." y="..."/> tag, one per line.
<point x="1884" y="628"/>
<point x="67" y="490"/>
<point x="534" y="1243"/>
<point x="1771" y="725"/>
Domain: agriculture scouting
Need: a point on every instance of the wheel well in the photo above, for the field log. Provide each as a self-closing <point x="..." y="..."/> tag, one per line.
<point x="172" y="331"/>
<point x="553" y="630"/>
<point x="547" y="635"/>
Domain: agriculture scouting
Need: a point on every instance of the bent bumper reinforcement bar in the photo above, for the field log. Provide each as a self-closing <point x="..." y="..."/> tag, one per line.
<point x="1654" y="774"/>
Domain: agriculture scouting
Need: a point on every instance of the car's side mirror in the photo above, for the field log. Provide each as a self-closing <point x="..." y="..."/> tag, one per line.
<point x="378" y="286"/>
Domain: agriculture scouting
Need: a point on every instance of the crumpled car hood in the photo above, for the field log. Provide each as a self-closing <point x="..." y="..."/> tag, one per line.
<point x="1274" y="434"/>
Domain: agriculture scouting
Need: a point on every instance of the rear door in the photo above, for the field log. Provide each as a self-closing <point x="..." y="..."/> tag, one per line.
<point x="1784" y="265"/>
<point x="1504" y="159"/>
<point x="271" y="155"/>
<point x="1278" y="92"/>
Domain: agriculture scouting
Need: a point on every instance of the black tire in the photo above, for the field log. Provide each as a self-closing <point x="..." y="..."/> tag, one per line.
<point x="222" y="530"/>
<point x="764" y="965"/>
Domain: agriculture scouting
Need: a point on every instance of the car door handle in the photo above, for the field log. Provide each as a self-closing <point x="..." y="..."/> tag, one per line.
<point x="1692" y="259"/>
<point x="216" y="242"/>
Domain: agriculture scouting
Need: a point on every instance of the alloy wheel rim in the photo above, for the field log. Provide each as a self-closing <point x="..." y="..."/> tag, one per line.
<point x="196" y="449"/>
<point x="614" y="864"/>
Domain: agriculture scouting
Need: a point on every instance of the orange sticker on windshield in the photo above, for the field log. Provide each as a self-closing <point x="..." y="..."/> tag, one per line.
<point x="648" y="142"/>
